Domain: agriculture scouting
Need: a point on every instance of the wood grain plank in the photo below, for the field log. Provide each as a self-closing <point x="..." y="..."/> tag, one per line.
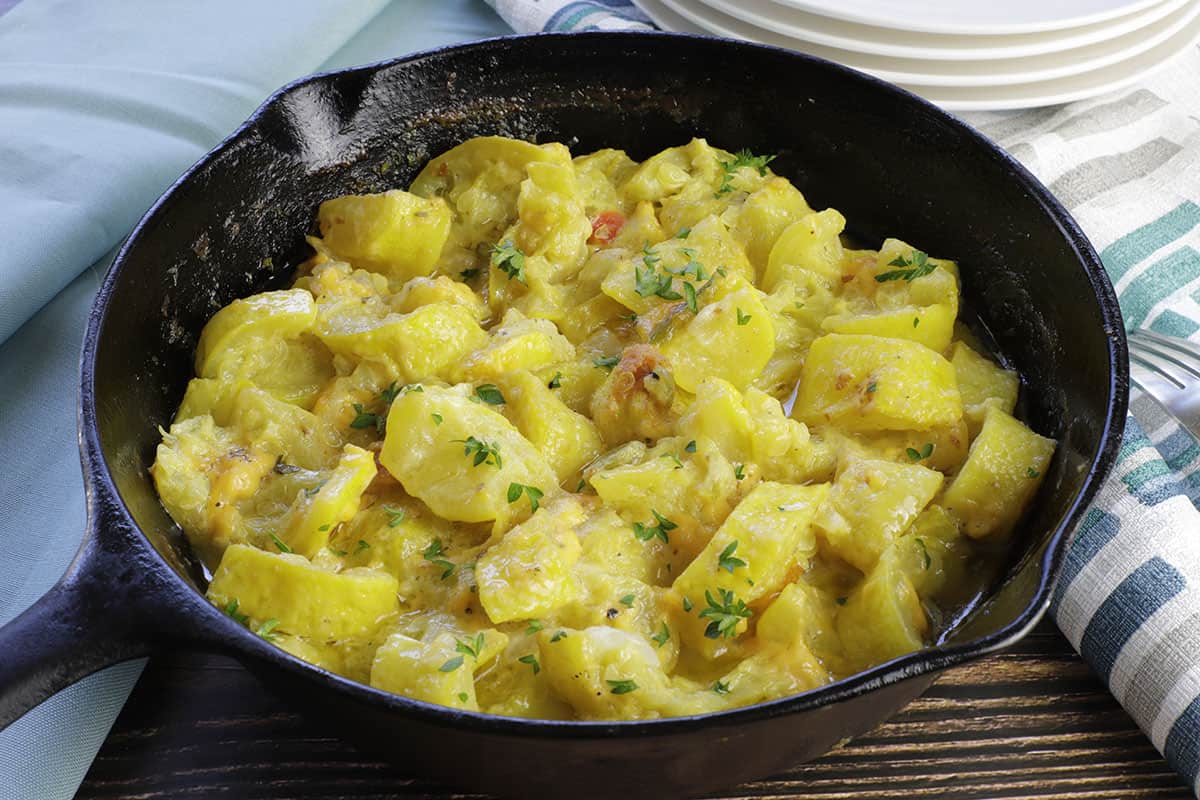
<point x="1031" y="723"/>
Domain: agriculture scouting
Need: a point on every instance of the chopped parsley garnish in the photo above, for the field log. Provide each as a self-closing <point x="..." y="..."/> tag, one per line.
<point x="555" y="382"/>
<point x="728" y="561"/>
<point x="335" y="551"/>
<point x="919" y="455"/>
<point x="324" y="527"/>
<point x="1031" y="473"/>
<point x="280" y="543"/>
<point x="623" y="686"/>
<point x="662" y="637"/>
<point x="361" y="546"/>
<point x="725" y="614"/>
<point x="395" y="515"/>
<point x="367" y="419"/>
<point x="690" y="447"/>
<point x="451" y="665"/>
<point x="507" y="258"/>
<point x="689" y="294"/>
<point x="627" y="600"/>
<point x="739" y="471"/>
<point x="471" y="647"/>
<point x="483" y="452"/>
<point x="742" y="158"/>
<point x="264" y="631"/>
<point x="557" y="636"/>
<point x="515" y="490"/>
<point x="924" y="551"/>
<point x="607" y="362"/>
<point x="742" y="318"/>
<point x="912" y="268"/>
<point x="488" y="393"/>
<point x="646" y="532"/>
<point x="687" y="604"/>
<point x="916" y="321"/>
<point x="284" y="469"/>
<point x="390" y="393"/>
<point x="231" y="611"/>
<point x="648" y="282"/>
<point x="683" y="233"/>
<point x="312" y="490"/>
<point x="463" y="696"/>
<point x="720" y="688"/>
<point x="532" y="661"/>
<point x="434" y="554"/>
<point x="535" y="625"/>
<point x="872" y="387"/>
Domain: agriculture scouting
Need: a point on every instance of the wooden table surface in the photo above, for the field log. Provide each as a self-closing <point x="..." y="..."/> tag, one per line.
<point x="1032" y="722"/>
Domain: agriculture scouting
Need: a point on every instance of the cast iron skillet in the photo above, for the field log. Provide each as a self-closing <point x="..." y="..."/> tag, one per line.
<point x="233" y="226"/>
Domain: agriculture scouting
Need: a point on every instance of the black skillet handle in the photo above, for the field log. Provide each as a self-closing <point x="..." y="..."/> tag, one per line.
<point x="108" y="607"/>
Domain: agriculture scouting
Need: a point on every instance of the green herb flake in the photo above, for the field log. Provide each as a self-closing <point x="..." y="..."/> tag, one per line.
<point x="607" y="362"/>
<point x="841" y="601"/>
<point x="924" y="551"/>
<point x="872" y="387"/>
<point x="463" y="696"/>
<point x="720" y="688"/>
<point x="507" y="258"/>
<point x="534" y="626"/>
<point x="471" y="647"/>
<point x="739" y="471"/>
<point x="627" y="600"/>
<point x="689" y="294"/>
<point x="728" y="561"/>
<point x="336" y="551"/>
<point x="919" y="455"/>
<point x="673" y="457"/>
<point x="662" y="637"/>
<point x="435" y="554"/>
<point x="623" y="686"/>
<point x="365" y="419"/>
<point x="555" y="382"/>
<point x="265" y="631"/>
<point x="362" y="545"/>
<point x="324" y="527"/>
<point x="916" y="321"/>
<point x="437" y="418"/>
<point x="389" y="394"/>
<point x="1031" y="473"/>
<point x="280" y="543"/>
<point x="683" y="233"/>
<point x="687" y="604"/>
<point x="231" y="611"/>
<point x="646" y="532"/>
<point x="725" y="613"/>
<point x="395" y="516"/>
<point x="532" y="661"/>
<point x="917" y="266"/>
<point x="690" y="447"/>
<point x="515" y="490"/>
<point x="451" y="665"/>
<point x="483" y="452"/>
<point x="468" y="274"/>
<point x="488" y="393"/>
<point x="742" y="318"/>
<point x="558" y="636"/>
<point x="742" y="158"/>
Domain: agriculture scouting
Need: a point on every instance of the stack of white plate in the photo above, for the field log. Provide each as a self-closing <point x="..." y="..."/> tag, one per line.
<point x="962" y="54"/>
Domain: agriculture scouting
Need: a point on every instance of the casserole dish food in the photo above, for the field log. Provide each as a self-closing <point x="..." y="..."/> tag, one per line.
<point x="232" y="227"/>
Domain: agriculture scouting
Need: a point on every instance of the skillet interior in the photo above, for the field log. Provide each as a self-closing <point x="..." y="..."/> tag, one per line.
<point x="889" y="162"/>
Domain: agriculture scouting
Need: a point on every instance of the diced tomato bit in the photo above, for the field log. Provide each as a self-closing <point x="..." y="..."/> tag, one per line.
<point x="606" y="226"/>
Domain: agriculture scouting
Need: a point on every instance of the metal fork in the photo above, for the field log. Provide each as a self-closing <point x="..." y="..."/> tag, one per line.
<point x="1168" y="369"/>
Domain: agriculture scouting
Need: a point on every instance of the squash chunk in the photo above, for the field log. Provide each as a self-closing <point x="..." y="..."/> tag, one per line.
<point x="516" y="343"/>
<point x="424" y="343"/>
<point x="394" y="232"/>
<point x="752" y="552"/>
<point x="243" y="323"/>
<point x="811" y="243"/>
<point x="982" y="383"/>
<point x="873" y="502"/>
<point x="440" y="671"/>
<point x="732" y="339"/>
<point x="528" y="573"/>
<point x="932" y="326"/>
<point x="567" y="440"/>
<point x="604" y="673"/>
<point x="882" y="618"/>
<point x="866" y="383"/>
<point x="765" y="215"/>
<point x="335" y="502"/>
<point x="307" y="601"/>
<point x="1005" y="467"/>
<point x="462" y="465"/>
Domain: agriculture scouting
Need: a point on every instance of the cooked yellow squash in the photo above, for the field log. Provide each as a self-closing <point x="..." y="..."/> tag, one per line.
<point x="586" y="438"/>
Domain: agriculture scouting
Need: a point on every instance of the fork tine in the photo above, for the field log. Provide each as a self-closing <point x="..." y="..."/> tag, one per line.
<point x="1179" y="351"/>
<point x="1168" y="361"/>
<point x="1150" y="379"/>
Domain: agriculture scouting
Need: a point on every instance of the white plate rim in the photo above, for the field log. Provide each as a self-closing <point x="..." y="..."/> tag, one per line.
<point x="839" y="11"/>
<point x="715" y="21"/>
<point x="882" y="41"/>
<point x="1001" y="98"/>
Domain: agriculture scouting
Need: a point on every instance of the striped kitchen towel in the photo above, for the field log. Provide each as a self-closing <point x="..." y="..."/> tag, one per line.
<point x="1128" y="168"/>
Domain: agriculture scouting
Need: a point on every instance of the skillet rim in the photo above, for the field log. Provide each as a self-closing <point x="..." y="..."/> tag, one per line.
<point x="217" y="626"/>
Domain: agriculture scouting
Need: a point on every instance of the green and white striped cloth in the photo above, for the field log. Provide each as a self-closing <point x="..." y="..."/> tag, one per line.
<point x="1128" y="167"/>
